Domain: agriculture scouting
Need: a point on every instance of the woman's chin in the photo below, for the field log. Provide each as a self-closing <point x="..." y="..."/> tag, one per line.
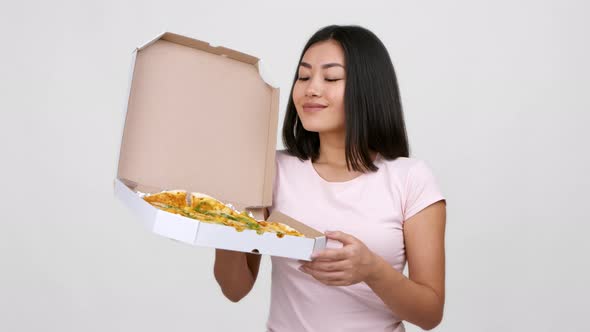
<point x="314" y="127"/>
<point x="321" y="129"/>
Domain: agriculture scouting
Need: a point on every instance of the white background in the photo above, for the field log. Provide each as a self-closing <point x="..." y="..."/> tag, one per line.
<point x="496" y="97"/>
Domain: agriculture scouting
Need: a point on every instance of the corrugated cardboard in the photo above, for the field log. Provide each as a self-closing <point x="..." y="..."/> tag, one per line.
<point x="201" y="119"/>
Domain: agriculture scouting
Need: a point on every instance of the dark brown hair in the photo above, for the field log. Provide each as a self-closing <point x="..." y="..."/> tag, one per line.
<point x="372" y="106"/>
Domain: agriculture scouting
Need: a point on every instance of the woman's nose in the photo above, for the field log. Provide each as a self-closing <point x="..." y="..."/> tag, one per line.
<point x="313" y="88"/>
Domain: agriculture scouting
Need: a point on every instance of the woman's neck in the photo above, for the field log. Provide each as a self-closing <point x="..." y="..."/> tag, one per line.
<point x="333" y="150"/>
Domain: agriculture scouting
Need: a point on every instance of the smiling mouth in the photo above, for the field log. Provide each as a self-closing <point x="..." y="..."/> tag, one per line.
<point x="313" y="108"/>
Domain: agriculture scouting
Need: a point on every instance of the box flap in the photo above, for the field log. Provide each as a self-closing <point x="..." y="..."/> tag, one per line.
<point x="277" y="216"/>
<point x="200" y="118"/>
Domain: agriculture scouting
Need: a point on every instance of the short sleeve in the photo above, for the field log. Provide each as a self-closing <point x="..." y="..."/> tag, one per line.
<point x="421" y="190"/>
<point x="275" y="185"/>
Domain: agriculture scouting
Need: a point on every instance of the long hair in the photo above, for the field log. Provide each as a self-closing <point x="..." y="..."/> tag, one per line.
<point x="372" y="105"/>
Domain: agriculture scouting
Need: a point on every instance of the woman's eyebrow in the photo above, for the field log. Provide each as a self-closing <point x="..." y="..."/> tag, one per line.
<point x="324" y="66"/>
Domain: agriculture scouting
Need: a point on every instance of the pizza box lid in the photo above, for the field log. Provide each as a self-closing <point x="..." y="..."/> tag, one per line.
<point x="199" y="118"/>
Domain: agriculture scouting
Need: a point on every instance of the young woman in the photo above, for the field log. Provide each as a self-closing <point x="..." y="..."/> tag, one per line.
<point x="346" y="171"/>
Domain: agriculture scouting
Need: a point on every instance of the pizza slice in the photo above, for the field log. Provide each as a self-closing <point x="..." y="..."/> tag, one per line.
<point x="279" y="228"/>
<point x="208" y="205"/>
<point x="173" y="201"/>
<point x="207" y="209"/>
<point x="176" y="198"/>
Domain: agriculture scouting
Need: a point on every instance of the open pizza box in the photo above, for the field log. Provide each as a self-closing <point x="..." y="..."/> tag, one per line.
<point x="201" y="118"/>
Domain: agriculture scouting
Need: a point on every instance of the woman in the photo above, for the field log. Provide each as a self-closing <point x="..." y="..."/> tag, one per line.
<point x="346" y="171"/>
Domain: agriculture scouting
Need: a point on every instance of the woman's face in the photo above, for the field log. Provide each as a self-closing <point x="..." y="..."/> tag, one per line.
<point x="318" y="93"/>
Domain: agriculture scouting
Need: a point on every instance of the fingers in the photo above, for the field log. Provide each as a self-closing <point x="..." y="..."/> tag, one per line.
<point x="335" y="266"/>
<point x="329" y="266"/>
<point x="330" y="254"/>
<point x="323" y="276"/>
<point x="340" y="236"/>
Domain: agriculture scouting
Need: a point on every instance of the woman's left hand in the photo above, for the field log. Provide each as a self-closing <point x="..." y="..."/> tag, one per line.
<point x="351" y="264"/>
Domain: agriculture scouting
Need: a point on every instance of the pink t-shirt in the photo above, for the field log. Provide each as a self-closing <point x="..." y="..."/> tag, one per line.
<point x="371" y="207"/>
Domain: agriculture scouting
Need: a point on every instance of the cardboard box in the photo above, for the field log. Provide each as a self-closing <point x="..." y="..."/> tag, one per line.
<point x="201" y="118"/>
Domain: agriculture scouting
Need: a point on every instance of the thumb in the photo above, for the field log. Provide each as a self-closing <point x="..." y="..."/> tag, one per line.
<point x="340" y="236"/>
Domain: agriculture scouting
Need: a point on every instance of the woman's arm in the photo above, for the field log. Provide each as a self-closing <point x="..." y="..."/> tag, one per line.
<point x="419" y="299"/>
<point x="235" y="272"/>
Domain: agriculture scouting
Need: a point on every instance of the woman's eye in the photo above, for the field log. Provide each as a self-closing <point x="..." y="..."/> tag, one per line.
<point x="326" y="79"/>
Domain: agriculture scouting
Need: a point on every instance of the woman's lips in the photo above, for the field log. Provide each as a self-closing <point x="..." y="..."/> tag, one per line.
<point x="309" y="107"/>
